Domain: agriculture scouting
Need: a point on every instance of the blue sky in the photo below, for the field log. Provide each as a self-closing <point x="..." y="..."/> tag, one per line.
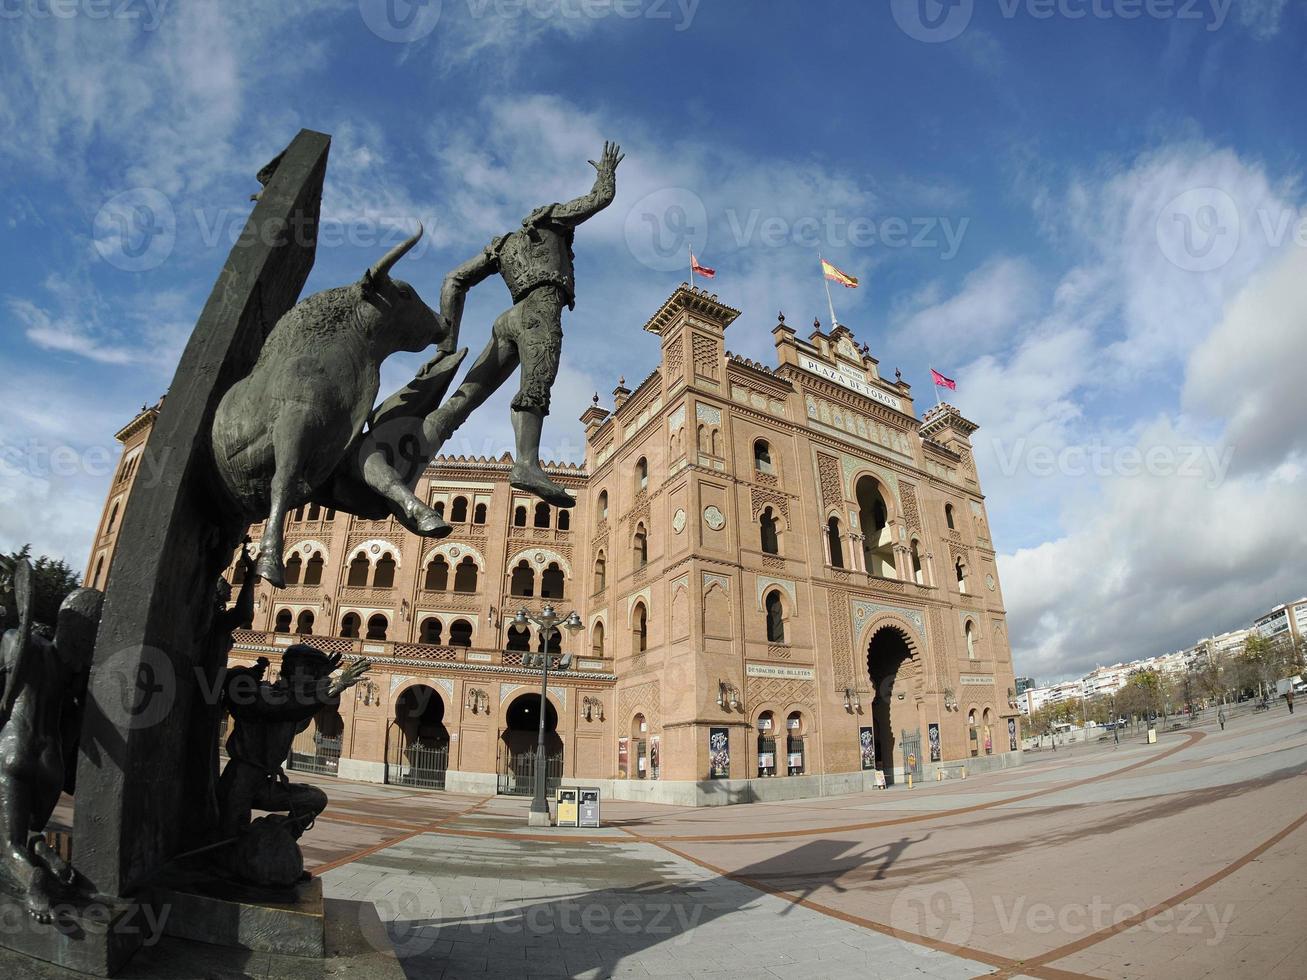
<point x="1089" y="212"/>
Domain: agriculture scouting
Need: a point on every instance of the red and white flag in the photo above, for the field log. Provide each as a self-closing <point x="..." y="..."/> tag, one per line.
<point x="943" y="382"/>
<point x="701" y="270"/>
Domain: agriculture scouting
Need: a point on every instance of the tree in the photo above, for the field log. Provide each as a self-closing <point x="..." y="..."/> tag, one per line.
<point x="53" y="580"/>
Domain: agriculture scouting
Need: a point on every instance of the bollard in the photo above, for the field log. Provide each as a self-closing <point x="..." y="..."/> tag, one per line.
<point x="909" y="780"/>
<point x="939" y="775"/>
<point x="964" y="772"/>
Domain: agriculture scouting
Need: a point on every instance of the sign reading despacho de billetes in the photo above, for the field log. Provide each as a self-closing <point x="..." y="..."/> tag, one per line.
<point x="976" y="680"/>
<point x="788" y="673"/>
<point x="850" y="381"/>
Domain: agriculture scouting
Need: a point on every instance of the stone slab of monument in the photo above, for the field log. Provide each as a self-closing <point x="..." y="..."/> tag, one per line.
<point x="231" y="914"/>
<point x="137" y="805"/>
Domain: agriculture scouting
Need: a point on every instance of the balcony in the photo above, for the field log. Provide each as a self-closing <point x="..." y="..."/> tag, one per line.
<point x="259" y="641"/>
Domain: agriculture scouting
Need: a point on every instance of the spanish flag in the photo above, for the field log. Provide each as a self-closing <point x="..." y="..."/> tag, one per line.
<point x="833" y="273"/>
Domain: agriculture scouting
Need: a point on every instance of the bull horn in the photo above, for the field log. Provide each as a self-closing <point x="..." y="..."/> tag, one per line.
<point x="382" y="269"/>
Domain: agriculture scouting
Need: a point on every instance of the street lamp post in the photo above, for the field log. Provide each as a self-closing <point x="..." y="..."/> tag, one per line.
<point x="547" y="621"/>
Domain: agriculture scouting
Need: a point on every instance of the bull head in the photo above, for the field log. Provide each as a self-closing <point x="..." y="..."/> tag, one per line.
<point x="379" y="274"/>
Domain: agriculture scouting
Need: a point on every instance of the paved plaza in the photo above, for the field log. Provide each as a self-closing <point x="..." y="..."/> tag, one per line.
<point x="1187" y="858"/>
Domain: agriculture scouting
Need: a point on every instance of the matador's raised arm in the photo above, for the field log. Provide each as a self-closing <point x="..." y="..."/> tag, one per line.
<point x="601" y="195"/>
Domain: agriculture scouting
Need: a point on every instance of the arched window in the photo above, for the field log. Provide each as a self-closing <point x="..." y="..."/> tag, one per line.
<point x="304" y="623"/>
<point x="551" y="582"/>
<point x="834" y="541"/>
<point x="315" y="512"/>
<point x="555" y="644"/>
<point x="358" y="572"/>
<point x="458" y="513"/>
<point x="349" y="626"/>
<point x="313" y="569"/>
<point x="437" y="579"/>
<point x="384" y="576"/>
<point x="961" y="571"/>
<point x="762" y="456"/>
<point x="99" y="569"/>
<point x="603" y="505"/>
<point x="479" y="514"/>
<point x="377" y="627"/>
<point x="294" y="567"/>
<point x="775" y="617"/>
<point x="639" y="629"/>
<point x="641" y="546"/>
<point x="564" y="522"/>
<point x="237" y="573"/>
<point x="460" y="633"/>
<point x="331" y="515"/>
<point x="298" y="515"/>
<point x="601" y="573"/>
<point x="873" y="517"/>
<point x="282" y="624"/>
<point x="597" y="640"/>
<point x="948" y="517"/>
<point x="465" y="576"/>
<point x="523" y="580"/>
<point x="641" y="474"/>
<point x="918" y="573"/>
<point x="519" y="638"/>
<point x="971" y="640"/>
<point x="439" y="508"/>
<point x="519" y="516"/>
<point x="431" y="631"/>
<point x="771" y="543"/>
<point x="541" y="515"/>
<point x="113" y="519"/>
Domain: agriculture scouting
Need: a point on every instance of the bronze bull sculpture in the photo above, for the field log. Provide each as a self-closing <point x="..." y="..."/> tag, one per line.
<point x="295" y="427"/>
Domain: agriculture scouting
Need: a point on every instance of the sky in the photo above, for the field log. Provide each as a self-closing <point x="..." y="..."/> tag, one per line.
<point x="1088" y="212"/>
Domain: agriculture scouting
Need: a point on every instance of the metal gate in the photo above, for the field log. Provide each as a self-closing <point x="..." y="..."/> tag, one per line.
<point x="517" y="771"/>
<point x="419" y="762"/>
<point x="912" y="762"/>
<point x="312" y="751"/>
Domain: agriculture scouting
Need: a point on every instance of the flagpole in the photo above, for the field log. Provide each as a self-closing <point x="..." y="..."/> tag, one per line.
<point x="938" y="402"/>
<point x="690" y="249"/>
<point x="833" y="322"/>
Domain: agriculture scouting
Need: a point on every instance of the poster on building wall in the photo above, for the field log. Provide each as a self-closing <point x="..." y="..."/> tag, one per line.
<point x="932" y="733"/>
<point x="655" y="755"/>
<point x="623" y="758"/>
<point x="867" y="745"/>
<point x="719" y="753"/>
<point x="1012" y="734"/>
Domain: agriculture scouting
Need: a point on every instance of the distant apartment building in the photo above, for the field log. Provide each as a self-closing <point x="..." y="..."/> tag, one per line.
<point x="1286" y="620"/>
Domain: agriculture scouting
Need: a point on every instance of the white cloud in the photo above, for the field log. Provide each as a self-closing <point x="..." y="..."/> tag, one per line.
<point x="1250" y="370"/>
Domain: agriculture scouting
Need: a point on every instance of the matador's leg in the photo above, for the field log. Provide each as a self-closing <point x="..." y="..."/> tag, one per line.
<point x="540" y="343"/>
<point x="492" y="368"/>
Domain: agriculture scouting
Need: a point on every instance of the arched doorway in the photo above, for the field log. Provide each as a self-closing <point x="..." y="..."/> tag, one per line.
<point x="417" y="742"/>
<point x="517" y="747"/>
<point x="317" y="747"/>
<point x="891" y="708"/>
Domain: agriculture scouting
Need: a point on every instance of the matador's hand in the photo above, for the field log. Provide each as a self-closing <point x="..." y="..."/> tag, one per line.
<point x="607" y="164"/>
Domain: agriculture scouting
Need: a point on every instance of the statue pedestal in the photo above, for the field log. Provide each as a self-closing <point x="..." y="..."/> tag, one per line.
<point x="95" y="936"/>
<point x="209" y="909"/>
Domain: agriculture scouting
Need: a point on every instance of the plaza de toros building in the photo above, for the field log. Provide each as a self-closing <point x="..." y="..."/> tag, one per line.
<point x="786" y="581"/>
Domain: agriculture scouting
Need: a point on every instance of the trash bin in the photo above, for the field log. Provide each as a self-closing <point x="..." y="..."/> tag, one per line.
<point x="1152" y="734"/>
<point x="567" y="807"/>
<point x="589" y="807"/>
